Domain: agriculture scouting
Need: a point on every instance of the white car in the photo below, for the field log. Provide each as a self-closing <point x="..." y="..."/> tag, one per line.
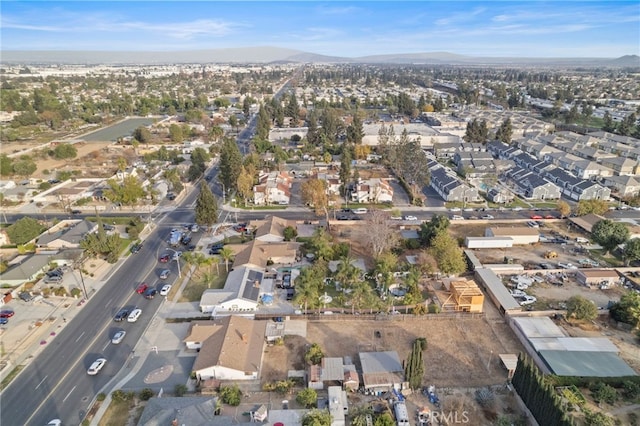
<point x="455" y="209"/>
<point x="164" y="274"/>
<point x="487" y="217"/>
<point x="518" y="293"/>
<point x="118" y="337"/>
<point x="457" y="217"/>
<point x="410" y="218"/>
<point x="528" y="300"/>
<point x="96" y="366"/>
<point x="134" y="315"/>
<point x="176" y="255"/>
<point x="567" y="265"/>
<point x="396" y="218"/>
<point x="165" y="289"/>
<point x="54" y="422"/>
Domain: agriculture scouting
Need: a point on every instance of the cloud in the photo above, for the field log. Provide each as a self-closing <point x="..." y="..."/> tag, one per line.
<point x="336" y="10"/>
<point x="460" y="17"/>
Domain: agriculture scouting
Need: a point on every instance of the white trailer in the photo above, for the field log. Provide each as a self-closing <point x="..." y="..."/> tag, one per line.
<point x="488" y="242"/>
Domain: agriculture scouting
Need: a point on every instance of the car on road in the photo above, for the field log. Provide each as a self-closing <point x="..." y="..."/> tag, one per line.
<point x="176" y="255"/>
<point x="54" y="422"/>
<point x="165" y="289"/>
<point x="76" y="212"/>
<point x="118" y="337"/>
<point x="548" y="216"/>
<point x="96" y="366"/>
<point x="150" y="293"/>
<point x="191" y="247"/>
<point x="487" y="217"/>
<point x="4" y="321"/>
<point x="142" y="288"/>
<point x="6" y="313"/>
<point x="135" y="248"/>
<point x="410" y="218"/>
<point x="164" y="258"/>
<point x="164" y="274"/>
<point x="536" y="217"/>
<point x="457" y="217"/>
<point x="134" y="315"/>
<point x="455" y="209"/>
<point x="121" y="315"/>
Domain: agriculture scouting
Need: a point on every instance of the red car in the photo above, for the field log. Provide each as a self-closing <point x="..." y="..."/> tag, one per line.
<point x="142" y="288"/>
<point x="536" y="216"/>
<point x="549" y="217"/>
<point x="6" y="314"/>
<point x="164" y="258"/>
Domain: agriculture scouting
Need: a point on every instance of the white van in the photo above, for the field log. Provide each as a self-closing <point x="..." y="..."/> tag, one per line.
<point x="582" y="240"/>
<point x="361" y="210"/>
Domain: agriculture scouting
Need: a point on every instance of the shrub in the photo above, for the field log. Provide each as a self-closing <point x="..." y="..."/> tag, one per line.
<point x="146" y="394"/>
<point x="180" y="390"/>
<point x="307" y="397"/>
<point x="231" y="395"/>
<point x="434" y="309"/>
<point x="631" y="389"/>
<point x="101" y="396"/>
<point x="119" y="395"/>
<point x="604" y="393"/>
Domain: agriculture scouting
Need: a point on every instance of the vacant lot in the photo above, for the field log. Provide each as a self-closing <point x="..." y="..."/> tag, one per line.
<point x="460" y="352"/>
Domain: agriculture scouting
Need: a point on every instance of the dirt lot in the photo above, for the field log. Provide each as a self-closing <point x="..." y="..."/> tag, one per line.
<point x="460" y="352"/>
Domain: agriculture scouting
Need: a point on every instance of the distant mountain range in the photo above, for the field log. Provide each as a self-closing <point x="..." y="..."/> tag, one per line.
<point x="268" y="54"/>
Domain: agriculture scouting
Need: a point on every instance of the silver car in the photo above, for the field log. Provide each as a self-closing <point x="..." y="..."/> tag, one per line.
<point x="118" y="337"/>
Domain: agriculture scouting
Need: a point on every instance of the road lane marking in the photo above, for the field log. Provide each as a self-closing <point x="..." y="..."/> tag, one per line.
<point x="106" y="305"/>
<point x="65" y="398"/>
<point x="80" y="337"/>
<point x="105" y="346"/>
<point x="41" y="382"/>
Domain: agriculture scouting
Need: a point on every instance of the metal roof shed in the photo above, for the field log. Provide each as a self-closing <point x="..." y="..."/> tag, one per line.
<point x="537" y="327"/>
<point x="497" y="291"/>
<point x="586" y="364"/>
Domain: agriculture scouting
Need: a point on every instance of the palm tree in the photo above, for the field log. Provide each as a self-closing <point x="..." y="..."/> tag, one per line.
<point x="226" y="254"/>
<point x="306" y="293"/>
<point x="361" y="294"/>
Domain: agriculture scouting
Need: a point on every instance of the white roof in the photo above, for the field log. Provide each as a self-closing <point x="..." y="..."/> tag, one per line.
<point x="538" y="327"/>
<point x="574" y="344"/>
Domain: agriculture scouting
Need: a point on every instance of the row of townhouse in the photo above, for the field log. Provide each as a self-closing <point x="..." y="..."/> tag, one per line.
<point x="449" y="186"/>
<point x="272" y="188"/>
<point x="530" y="185"/>
<point x="569" y="185"/>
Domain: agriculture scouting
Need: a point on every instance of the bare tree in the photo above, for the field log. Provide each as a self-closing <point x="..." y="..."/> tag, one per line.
<point x="377" y="234"/>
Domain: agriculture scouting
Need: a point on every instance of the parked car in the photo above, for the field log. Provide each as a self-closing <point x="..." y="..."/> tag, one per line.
<point x="164" y="258"/>
<point x="4" y="321"/>
<point x="410" y="218"/>
<point x="528" y="300"/>
<point x="134" y="315"/>
<point x="564" y="265"/>
<point x="121" y="315"/>
<point x="96" y="366"/>
<point x="487" y="217"/>
<point x="118" y="337"/>
<point x="164" y="274"/>
<point x="176" y="255"/>
<point x="135" y="248"/>
<point x="76" y="212"/>
<point x="191" y="247"/>
<point x="457" y="217"/>
<point x="455" y="209"/>
<point x="6" y="313"/>
<point x="536" y="217"/>
<point x="25" y="296"/>
<point x="142" y="288"/>
<point x="108" y="227"/>
<point x="165" y="289"/>
<point x="53" y="280"/>
<point x="532" y="224"/>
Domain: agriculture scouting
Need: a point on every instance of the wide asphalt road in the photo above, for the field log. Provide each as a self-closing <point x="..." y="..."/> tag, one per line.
<point x="55" y="384"/>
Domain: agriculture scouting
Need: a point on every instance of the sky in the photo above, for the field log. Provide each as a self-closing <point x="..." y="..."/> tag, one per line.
<point x="606" y="29"/>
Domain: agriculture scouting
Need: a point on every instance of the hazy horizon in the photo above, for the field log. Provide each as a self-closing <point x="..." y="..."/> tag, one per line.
<point x="534" y="29"/>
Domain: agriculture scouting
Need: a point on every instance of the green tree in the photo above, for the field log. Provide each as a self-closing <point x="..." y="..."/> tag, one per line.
<point x="627" y="310"/>
<point x="448" y="254"/>
<point x="206" y="206"/>
<point x="128" y="192"/>
<point x="360" y="414"/>
<point x="563" y="208"/>
<point x="24" y="166"/>
<point x="314" y="354"/>
<point x="476" y="131"/>
<point x="604" y="393"/>
<point x="290" y="233"/>
<point x="316" y="417"/>
<point x="632" y="250"/>
<point x="142" y="134"/>
<point x="608" y="124"/>
<point x="175" y="133"/>
<point x="505" y="131"/>
<point x="102" y="244"/>
<point x="6" y="165"/>
<point x="307" y="397"/>
<point x="581" y="308"/>
<point x="244" y="184"/>
<point x="226" y="254"/>
<point x="230" y="164"/>
<point x="65" y="151"/>
<point x="231" y="395"/>
<point x="24" y="230"/>
<point x="384" y="419"/>
<point x="585" y="207"/>
<point x="314" y="194"/>
<point x="429" y="230"/>
<point x="610" y="234"/>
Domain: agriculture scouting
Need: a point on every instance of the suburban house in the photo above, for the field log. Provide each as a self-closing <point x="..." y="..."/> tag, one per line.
<point x="338" y="405"/>
<point x="372" y="190"/>
<point x="622" y="166"/>
<point x="500" y="195"/>
<point x="623" y="186"/>
<point x="66" y="234"/>
<point x="272" y="188"/>
<point x="521" y="235"/>
<point x="183" y="410"/>
<point x="333" y="182"/>
<point x="24" y="269"/>
<point x="531" y="186"/>
<point x="249" y="279"/>
<point x="230" y="348"/>
<point x="271" y="229"/>
<point x="598" y="277"/>
<point x="330" y="371"/>
<point x="381" y="371"/>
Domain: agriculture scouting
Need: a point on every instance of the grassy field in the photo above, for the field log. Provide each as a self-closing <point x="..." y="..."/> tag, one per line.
<point x="118" y="413"/>
<point x="204" y="278"/>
